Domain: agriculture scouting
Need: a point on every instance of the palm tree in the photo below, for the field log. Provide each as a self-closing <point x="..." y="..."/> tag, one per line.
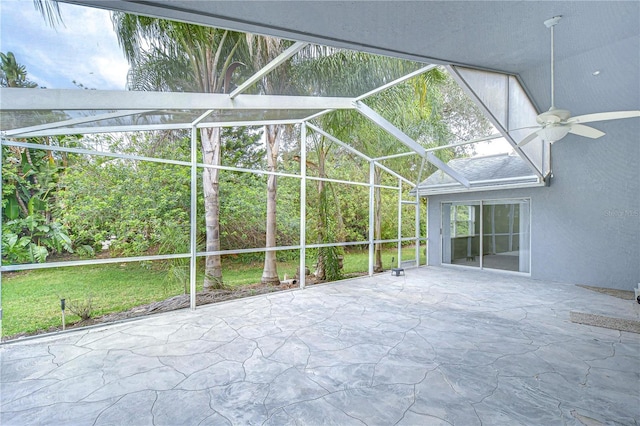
<point x="261" y="51"/>
<point x="13" y="74"/>
<point x="167" y="55"/>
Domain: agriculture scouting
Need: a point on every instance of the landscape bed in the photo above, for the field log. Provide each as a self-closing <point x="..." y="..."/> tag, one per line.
<point x="31" y="299"/>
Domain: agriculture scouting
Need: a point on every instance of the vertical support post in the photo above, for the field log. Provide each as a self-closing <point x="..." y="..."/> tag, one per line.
<point x="193" y="218"/>
<point x="399" y="223"/>
<point x="417" y="188"/>
<point x="512" y="213"/>
<point x="493" y="229"/>
<point x="426" y="232"/>
<point x="417" y="228"/>
<point x="372" y="179"/>
<point x="303" y="204"/>
<point x="481" y="243"/>
<point x="62" y="308"/>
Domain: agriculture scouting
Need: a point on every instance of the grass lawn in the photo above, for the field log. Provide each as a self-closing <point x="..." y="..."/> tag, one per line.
<point x="31" y="299"/>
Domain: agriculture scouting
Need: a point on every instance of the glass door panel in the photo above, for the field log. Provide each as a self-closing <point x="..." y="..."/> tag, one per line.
<point x="505" y="239"/>
<point x="461" y="234"/>
<point x="500" y="237"/>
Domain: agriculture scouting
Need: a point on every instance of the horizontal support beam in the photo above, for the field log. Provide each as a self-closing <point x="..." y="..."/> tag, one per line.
<point x="75" y="121"/>
<point x="395" y="240"/>
<point x="21" y="133"/>
<point x="247" y="250"/>
<point x="64" y="264"/>
<point x="345" y="182"/>
<point x="13" y="99"/>
<point x="62" y="131"/>
<point x="83" y="151"/>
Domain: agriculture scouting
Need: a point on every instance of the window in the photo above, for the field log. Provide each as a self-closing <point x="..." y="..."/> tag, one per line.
<point x="463" y="220"/>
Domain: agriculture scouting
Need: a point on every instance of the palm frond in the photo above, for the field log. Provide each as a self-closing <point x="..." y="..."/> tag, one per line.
<point x="50" y="11"/>
<point x="202" y="52"/>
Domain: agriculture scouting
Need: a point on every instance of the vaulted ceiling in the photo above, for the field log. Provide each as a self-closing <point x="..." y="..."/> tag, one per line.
<point x="508" y="36"/>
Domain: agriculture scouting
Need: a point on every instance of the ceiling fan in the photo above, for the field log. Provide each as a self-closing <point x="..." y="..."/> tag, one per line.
<point x="556" y="123"/>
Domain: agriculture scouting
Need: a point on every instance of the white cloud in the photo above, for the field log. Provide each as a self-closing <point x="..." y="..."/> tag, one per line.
<point x="84" y="49"/>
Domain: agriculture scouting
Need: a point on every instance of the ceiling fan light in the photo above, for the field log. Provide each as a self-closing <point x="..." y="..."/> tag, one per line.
<point x="554" y="133"/>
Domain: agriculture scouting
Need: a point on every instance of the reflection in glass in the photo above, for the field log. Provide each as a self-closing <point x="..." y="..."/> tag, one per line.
<point x="504" y="245"/>
<point x="461" y="234"/>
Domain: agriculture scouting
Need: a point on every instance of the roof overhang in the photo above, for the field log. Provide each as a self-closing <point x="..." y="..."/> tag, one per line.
<point x="479" y="186"/>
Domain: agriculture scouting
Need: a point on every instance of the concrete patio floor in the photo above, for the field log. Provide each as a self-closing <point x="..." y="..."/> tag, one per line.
<point x="438" y="346"/>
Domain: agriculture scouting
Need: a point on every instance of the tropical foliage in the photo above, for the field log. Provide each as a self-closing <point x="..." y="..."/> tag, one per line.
<point x="59" y="206"/>
<point x="30" y="231"/>
<point x="13" y="74"/>
<point x="93" y="205"/>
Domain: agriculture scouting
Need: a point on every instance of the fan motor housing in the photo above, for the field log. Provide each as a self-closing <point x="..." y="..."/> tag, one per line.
<point x="553" y="116"/>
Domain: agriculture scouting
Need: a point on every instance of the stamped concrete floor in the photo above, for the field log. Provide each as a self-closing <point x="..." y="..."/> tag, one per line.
<point x="434" y="347"/>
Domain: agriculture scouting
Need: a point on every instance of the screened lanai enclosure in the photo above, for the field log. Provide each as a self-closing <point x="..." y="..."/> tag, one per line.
<point x="320" y="149"/>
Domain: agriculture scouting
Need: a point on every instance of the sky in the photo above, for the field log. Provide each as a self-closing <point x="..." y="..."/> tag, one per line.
<point x="84" y="48"/>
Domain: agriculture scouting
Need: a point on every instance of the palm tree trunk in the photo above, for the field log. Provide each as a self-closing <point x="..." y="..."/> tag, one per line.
<point x="320" y="272"/>
<point x="339" y="218"/>
<point x="270" y="271"/>
<point x="211" y="186"/>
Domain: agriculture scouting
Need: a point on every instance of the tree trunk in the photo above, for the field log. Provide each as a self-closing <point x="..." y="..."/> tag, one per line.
<point x="339" y="219"/>
<point x="320" y="272"/>
<point x="270" y="271"/>
<point x="377" y="266"/>
<point x="211" y="186"/>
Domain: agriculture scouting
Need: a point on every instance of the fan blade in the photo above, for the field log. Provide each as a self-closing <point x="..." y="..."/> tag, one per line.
<point x="528" y="139"/>
<point x="586" y="131"/>
<point x="603" y="116"/>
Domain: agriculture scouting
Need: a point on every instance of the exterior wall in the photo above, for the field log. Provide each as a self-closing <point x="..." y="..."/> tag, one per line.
<point x="585" y="227"/>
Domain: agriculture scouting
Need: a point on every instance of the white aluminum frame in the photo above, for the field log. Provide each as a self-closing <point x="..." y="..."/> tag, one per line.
<point x="115" y="104"/>
<point x="116" y="100"/>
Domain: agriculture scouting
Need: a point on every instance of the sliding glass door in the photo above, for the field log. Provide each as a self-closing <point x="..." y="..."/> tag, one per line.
<point x="487" y="234"/>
